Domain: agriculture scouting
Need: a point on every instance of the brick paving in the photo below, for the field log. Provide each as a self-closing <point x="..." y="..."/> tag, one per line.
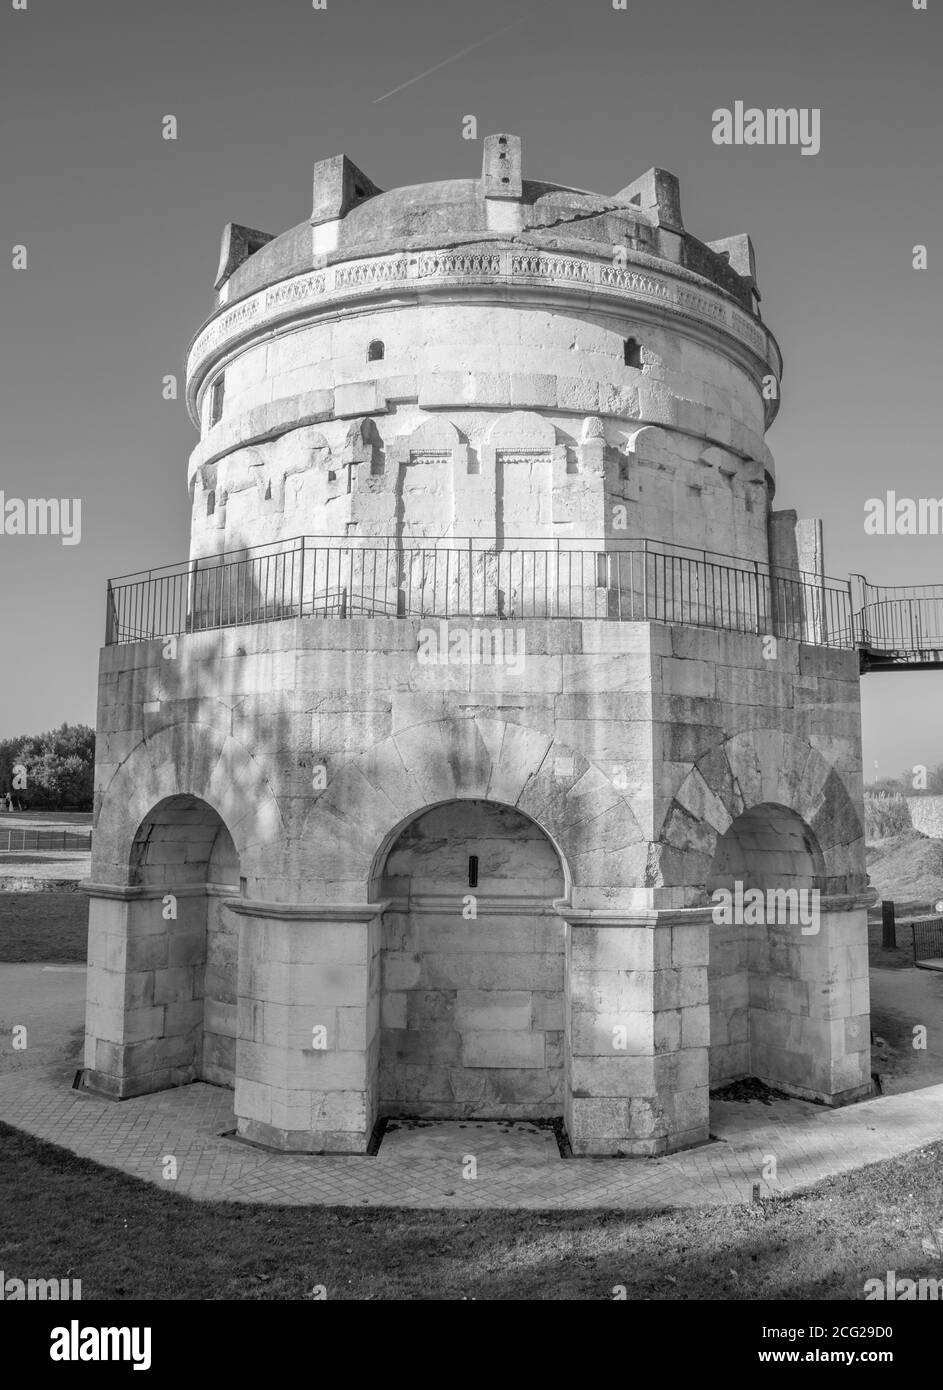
<point x="516" y="1166"/>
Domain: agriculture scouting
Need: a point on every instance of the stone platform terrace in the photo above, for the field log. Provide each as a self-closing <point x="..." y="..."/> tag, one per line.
<point x="422" y="1168"/>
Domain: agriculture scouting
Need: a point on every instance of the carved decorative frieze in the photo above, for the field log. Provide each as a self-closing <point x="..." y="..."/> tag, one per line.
<point x="430" y="455"/>
<point x="370" y="273"/>
<point x="552" y="267"/>
<point x="749" y="332"/>
<point x="695" y="303"/>
<point x="294" y="291"/>
<point x="615" y="277"/>
<point x="523" y="455"/>
<point x="324" y="286"/>
<point x="226" y="326"/>
<point x="449" y="263"/>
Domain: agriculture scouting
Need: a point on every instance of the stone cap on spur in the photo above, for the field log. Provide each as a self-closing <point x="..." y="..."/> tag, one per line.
<point x="352" y="217"/>
<point x="498" y="234"/>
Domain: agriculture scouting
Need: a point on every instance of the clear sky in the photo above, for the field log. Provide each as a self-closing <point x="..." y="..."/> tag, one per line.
<point x="122" y="230"/>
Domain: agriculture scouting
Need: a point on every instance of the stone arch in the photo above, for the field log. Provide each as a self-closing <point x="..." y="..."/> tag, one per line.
<point x="435" y="433"/>
<point x="394" y="836"/>
<point x="182" y="950"/>
<point x="521" y="453"/>
<point x="648" y="445"/>
<point x="424" y="464"/>
<point x="764" y="766"/>
<point x="765" y="842"/>
<point x="472" y="1008"/>
<point x="369" y="798"/>
<point x="522" y="429"/>
<point x="184" y="760"/>
<point x="176" y="820"/>
<point x="787" y="965"/>
<point x="435" y="440"/>
<point x="723" y="460"/>
<point x="243" y="468"/>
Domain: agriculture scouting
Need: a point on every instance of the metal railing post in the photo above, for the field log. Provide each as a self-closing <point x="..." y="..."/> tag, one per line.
<point x="645" y="614"/>
<point x="556" y="579"/>
<point x="856" y="618"/>
<point x="191" y="595"/>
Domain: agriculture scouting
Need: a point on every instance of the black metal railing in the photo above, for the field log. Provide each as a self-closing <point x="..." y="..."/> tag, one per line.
<point x="627" y="581"/>
<point x="906" y="620"/>
<point x="927" y="939"/>
<point x="622" y="580"/>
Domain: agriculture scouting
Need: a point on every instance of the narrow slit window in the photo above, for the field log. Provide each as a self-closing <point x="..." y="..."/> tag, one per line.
<point x="473" y="871"/>
<point x="216" y="399"/>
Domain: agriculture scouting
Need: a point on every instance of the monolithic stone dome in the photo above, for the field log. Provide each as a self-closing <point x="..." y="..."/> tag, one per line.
<point x="451" y="211"/>
<point x="483" y="357"/>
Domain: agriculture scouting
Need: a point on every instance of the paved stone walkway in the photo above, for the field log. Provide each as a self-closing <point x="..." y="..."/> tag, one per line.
<point x="516" y="1166"/>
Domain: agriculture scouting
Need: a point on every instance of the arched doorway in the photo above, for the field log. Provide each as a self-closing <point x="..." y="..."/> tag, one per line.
<point x="472" y="967"/>
<point x="759" y="986"/>
<point x="183" y="943"/>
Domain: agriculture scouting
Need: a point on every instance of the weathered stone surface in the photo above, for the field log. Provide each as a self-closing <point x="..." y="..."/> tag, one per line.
<point x="338" y="819"/>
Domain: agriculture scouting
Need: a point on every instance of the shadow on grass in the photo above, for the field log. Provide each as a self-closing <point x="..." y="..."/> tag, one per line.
<point x="43" y="927"/>
<point x="67" y="1217"/>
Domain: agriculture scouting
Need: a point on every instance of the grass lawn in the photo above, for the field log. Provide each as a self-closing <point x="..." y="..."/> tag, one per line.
<point x="66" y="1217"/>
<point x="46" y="927"/>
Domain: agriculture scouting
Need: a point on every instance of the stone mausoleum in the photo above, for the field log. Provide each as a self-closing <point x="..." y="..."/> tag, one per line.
<point x="490" y="664"/>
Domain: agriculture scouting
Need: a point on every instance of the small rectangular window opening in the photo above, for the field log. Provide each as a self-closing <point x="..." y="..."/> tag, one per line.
<point x="632" y="352"/>
<point x="216" y="399"/>
<point x="473" y="871"/>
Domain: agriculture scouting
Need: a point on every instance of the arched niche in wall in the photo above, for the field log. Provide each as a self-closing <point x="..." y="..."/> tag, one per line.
<point x="522" y="453"/>
<point x="644" y="448"/>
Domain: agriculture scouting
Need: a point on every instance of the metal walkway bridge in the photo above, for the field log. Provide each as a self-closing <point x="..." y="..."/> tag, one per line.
<point x="898" y="628"/>
<point x="622" y="580"/>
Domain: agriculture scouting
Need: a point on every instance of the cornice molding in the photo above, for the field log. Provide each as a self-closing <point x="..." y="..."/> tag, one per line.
<point x="306" y="912"/>
<point x="667" y="290"/>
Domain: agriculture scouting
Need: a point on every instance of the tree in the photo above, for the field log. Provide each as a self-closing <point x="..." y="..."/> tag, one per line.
<point x="60" y="768"/>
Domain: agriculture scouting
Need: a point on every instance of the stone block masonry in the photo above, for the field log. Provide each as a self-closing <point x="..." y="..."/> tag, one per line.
<point x="580" y="975"/>
<point x="353" y="868"/>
